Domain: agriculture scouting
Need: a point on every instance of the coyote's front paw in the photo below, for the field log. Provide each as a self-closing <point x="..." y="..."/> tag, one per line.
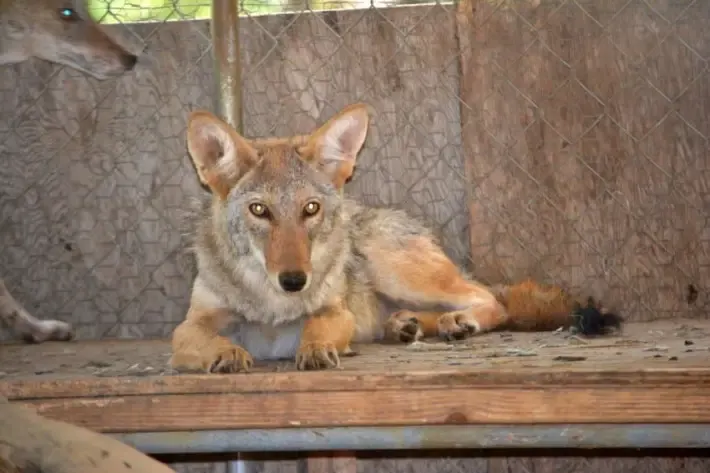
<point x="403" y="327"/>
<point x="317" y="355"/>
<point x="229" y="358"/>
<point x="456" y="326"/>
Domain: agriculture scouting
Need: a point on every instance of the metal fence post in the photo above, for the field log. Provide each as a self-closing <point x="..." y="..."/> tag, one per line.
<point x="227" y="61"/>
<point x="228" y="100"/>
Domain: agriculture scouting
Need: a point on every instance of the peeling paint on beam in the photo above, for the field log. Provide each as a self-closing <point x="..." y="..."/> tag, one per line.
<point x="425" y="437"/>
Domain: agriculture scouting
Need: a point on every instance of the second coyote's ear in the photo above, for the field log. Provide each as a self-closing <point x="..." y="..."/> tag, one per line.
<point x="220" y="154"/>
<point x="335" y="145"/>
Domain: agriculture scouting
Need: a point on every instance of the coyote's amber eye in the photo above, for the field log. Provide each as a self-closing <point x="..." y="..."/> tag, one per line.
<point x="311" y="209"/>
<point x="259" y="210"/>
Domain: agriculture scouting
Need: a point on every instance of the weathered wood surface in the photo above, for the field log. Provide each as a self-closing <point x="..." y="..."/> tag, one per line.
<point x="125" y="386"/>
<point x="32" y="443"/>
<point x="585" y="131"/>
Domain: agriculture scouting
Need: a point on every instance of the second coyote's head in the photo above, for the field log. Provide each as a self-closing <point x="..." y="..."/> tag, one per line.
<point x="63" y="32"/>
<point x="279" y="200"/>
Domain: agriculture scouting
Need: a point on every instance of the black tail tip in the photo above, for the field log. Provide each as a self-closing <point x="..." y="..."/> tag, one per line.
<point x="592" y="321"/>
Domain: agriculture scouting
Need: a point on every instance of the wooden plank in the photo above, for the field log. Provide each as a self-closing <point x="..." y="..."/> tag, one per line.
<point x="663" y="348"/>
<point x="325" y="381"/>
<point x="387" y="407"/>
<point x="623" y="379"/>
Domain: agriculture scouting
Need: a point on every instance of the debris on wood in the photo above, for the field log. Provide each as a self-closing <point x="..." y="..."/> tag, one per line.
<point x="510" y="349"/>
<point x="656" y="348"/>
<point x="97" y="364"/>
<point x="425" y="346"/>
<point x="569" y="358"/>
<point x="519" y="352"/>
<point x="550" y="345"/>
<point x="512" y="352"/>
<point x="578" y="339"/>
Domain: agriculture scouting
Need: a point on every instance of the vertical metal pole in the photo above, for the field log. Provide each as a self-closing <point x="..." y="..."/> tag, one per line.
<point x="227" y="61"/>
<point x="228" y="100"/>
<point x="242" y="465"/>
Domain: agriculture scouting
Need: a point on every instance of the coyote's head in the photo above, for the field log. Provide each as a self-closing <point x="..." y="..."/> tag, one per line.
<point x="60" y="31"/>
<point x="279" y="199"/>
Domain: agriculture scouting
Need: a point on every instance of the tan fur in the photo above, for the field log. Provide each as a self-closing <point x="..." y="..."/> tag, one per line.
<point x="288" y="249"/>
<point x="347" y="259"/>
<point x="326" y="335"/>
<point x="197" y="346"/>
<point x="62" y="32"/>
<point x="429" y="275"/>
<point x="529" y="306"/>
<point x="533" y="306"/>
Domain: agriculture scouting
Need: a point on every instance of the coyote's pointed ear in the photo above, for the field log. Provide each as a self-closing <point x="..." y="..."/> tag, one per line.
<point x="333" y="148"/>
<point x="221" y="155"/>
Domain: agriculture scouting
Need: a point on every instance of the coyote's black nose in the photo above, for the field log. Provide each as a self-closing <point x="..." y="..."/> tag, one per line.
<point x="293" y="281"/>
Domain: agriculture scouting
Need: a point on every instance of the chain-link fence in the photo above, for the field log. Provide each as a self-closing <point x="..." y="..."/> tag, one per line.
<point x="564" y="140"/>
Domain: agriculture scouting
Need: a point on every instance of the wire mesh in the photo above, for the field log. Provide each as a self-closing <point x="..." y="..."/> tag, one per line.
<point x="565" y="140"/>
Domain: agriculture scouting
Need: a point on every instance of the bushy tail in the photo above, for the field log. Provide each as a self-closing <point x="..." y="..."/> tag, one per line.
<point x="536" y="307"/>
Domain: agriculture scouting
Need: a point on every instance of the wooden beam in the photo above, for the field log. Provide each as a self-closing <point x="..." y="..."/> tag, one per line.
<point x="384" y="407"/>
<point x="326" y="381"/>
<point x="656" y="373"/>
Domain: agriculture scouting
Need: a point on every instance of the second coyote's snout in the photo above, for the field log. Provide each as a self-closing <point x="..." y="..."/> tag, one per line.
<point x="60" y="31"/>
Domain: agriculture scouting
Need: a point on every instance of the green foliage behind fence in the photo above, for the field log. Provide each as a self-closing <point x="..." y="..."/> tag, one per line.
<point x="134" y="11"/>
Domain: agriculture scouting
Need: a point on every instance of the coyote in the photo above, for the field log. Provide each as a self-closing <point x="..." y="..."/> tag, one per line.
<point x="62" y="32"/>
<point x="59" y="31"/>
<point x="288" y="267"/>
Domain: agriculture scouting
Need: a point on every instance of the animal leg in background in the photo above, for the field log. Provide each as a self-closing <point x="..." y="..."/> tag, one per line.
<point x="28" y="328"/>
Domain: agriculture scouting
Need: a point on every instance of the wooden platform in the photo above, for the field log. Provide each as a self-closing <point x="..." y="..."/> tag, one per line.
<point x="653" y="373"/>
